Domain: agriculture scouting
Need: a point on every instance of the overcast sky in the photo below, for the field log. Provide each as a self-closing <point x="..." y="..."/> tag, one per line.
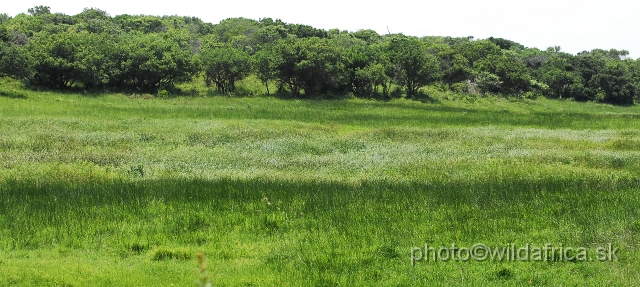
<point x="574" y="25"/>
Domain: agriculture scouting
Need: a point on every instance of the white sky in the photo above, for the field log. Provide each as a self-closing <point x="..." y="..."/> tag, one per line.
<point x="574" y="25"/>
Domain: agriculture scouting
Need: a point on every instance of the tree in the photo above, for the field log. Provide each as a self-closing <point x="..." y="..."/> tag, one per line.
<point x="49" y="21"/>
<point x="476" y="50"/>
<point x="606" y="76"/>
<point x="617" y="83"/>
<point x="154" y="61"/>
<point x="366" y="70"/>
<point x="454" y="67"/>
<point x="557" y="73"/>
<point x="345" y="41"/>
<point x="230" y="29"/>
<point x="510" y="70"/>
<point x="369" y="36"/>
<point x="310" y="64"/>
<point x="195" y="26"/>
<point x="13" y="61"/>
<point x="54" y="59"/>
<point x="488" y="82"/>
<point x="26" y="25"/>
<point x="534" y="58"/>
<point x="61" y="60"/>
<point x="263" y="64"/>
<point x="263" y="38"/>
<point x="39" y="10"/>
<point x="97" y="59"/>
<point x="635" y="72"/>
<point x="589" y="65"/>
<point x="415" y="66"/>
<point x="306" y="31"/>
<point x="4" y="18"/>
<point x="223" y="66"/>
<point x="143" y="24"/>
<point x="89" y="14"/>
<point x="95" y="20"/>
<point x="506" y="44"/>
<point x="5" y="36"/>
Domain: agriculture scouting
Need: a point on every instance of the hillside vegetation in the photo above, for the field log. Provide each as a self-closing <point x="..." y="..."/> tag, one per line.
<point x="150" y="54"/>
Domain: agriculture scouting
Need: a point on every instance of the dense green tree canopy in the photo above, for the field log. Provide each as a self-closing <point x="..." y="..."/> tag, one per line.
<point x="156" y="60"/>
<point x="13" y="61"/>
<point x="93" y="50"/>
<point x="414" y="65"/>
<point x="557" y="72"/>
<point x="511" y="72"/>
<point x="223" y="66"/>
<point x="366" y="69"/>
<point x="312" y="65"/>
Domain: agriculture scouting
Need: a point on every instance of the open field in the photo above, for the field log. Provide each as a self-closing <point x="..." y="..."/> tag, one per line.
<point x="111" y="190"/>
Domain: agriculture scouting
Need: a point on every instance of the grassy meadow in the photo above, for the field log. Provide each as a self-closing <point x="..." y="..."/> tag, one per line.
<point x="121" y="190"/>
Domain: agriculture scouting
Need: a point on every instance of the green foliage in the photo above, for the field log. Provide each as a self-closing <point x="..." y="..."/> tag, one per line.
<point x="192" y="26"/>
<point x="557" y="73"/>
<point x="14" y="61"/>
<point x="366" y="70"/>
<point x="5" y="36"/>
<point x="168" y="254"/>
<point x="4" y="18"/>
<point x="232" y="28"/>
<point x="589" y="66"/>
<point x="511" y="72"/>
<point x="145" y="54"/>
<point x="605" y="77"/>
<point x="635" y="74"/>
<point x="488" y="82"/>
<point x="534" y="58"/>
<point x="263" y="63"/>
<point x="142" y="24"/>
<point x="506" y="44"/>
<point x="90" y="14"/>
<point x="617" y="83"/>
<point x="454" y="67"/>
<point x="156" y="60"/>
<point x="26" y="25"/>
<point x="368" y="35"/>
<point x="414" y="65"/>
<point x="39" y="10"/>
<point x="263" y="38"/>
<point x="223" y="66"/>
<point x="306" y="31"/>
<point x="476" y="50"/>
<point x="97" y="21"/>
<point x="312" y="65"/>
<point x="56" y="59"/>
<point x="61" y="60"/>
<point x="460" y="88"/>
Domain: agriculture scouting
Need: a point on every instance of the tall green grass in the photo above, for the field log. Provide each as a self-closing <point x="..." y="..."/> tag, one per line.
<point x="118" y="190"/>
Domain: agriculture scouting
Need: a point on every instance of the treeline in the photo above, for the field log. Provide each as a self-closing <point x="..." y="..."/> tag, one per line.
<point x="92" y="50"/>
